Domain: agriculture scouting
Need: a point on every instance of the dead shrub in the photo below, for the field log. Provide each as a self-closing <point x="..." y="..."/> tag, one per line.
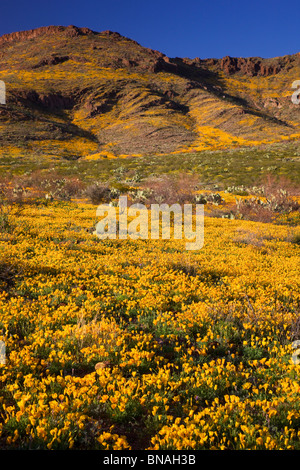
<point x="279" y="196"/>
<point x="55" y="185"/>
<point x="12" y="191"/>
<point x="168" y="189"/>
<point x="73" y="187"/>
<point x="99" y="193"/>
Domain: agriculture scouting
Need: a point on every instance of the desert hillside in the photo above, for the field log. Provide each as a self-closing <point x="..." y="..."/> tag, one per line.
<point x="73" y="93"/>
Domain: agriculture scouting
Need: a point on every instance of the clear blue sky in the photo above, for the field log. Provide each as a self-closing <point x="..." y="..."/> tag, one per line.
<point x="183" y="28"/>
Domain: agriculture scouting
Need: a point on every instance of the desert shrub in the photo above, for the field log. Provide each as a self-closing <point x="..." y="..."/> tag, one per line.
<point x="280" y="194"/>
<point x="277" y="196"/>
<point x="53" y="184"/>
<point x="252" y="209"/>
<point x="141" y="195"/>
<point x="11" y="191"/>
<point x="169" y="189"/>
<point x="212" y="198"/>
<point x="36" y="178"/>
<point x="119" y="188"/>
<point x="62" y="188"/>
<point x="101" y="192"/>
<point x="260" y="210"/>
<point x="73" y="187"/>
<point x="272" y="185"/>
<point x="238" y="190"/>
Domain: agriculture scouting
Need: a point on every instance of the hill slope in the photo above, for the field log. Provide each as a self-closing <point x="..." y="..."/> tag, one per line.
<point x="75" y="93"/>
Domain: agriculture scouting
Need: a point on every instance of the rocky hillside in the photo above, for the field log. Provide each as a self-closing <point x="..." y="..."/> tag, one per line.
<point x="75" y="93"/>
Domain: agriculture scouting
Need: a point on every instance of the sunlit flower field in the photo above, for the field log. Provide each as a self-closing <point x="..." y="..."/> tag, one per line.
<point x="141" y="344"/>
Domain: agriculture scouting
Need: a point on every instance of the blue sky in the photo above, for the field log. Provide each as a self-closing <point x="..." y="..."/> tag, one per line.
<point x="186" y="28"/>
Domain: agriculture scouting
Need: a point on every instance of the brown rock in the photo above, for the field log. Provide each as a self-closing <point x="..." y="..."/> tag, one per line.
<point x="52" y="60"/>
<point x="52" y="101"/>
<point x="249" y="66"/>
<point x="102" y="365"/>
<point x="70" y="31"/>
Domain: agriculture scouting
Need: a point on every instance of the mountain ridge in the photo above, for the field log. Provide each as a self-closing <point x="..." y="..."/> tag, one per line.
<point x="76" y="93"/>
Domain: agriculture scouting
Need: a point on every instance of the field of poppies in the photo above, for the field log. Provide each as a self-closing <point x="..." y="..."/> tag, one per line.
<point x="140" y="344"/>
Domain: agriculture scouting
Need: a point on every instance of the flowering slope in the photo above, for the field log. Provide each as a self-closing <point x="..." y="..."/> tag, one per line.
<point x="139" y="344"/>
